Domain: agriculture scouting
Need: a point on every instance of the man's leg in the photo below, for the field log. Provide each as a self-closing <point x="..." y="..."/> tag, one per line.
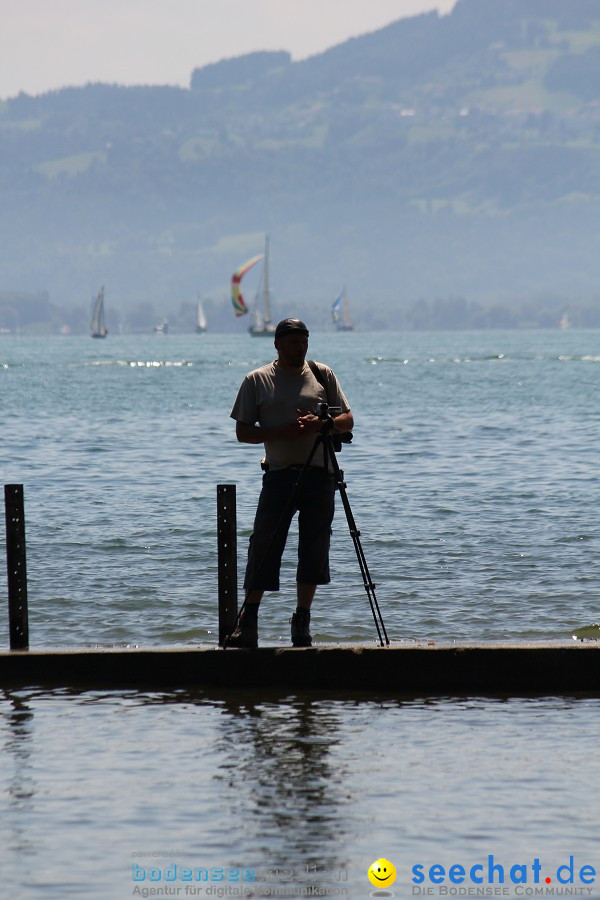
<point x="316" y="506"/>
<point x="305" y="593"/>
<point x="267" y="542"/>
<point x="246" y="632"/>
<point x="300" y="621"/>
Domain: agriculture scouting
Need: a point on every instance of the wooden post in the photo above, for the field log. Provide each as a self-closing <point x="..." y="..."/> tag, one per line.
<point x="18" y="619"/>
<point x="227" y="559"/>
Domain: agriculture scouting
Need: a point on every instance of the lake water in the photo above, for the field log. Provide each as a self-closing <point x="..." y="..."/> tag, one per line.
<point x="473" y="481"/>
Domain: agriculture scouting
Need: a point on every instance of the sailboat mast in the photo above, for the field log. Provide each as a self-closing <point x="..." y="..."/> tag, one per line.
<point x="266" y="303"/>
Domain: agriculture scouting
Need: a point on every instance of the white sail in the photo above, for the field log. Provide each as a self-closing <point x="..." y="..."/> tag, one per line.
<point x="201" y="318"/>
<point x="97" y="326"/>
<point x="261" y="313"/>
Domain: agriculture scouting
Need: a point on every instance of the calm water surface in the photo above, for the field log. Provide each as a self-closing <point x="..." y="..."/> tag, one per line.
<point x="473" y="480"/>
<point x="97" y="785"/>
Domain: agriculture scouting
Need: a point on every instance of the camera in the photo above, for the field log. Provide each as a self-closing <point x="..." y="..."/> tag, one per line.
<point x="324" y="411"/>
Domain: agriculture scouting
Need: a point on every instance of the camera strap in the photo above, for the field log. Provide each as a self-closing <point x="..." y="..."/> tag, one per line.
<point x="317" y="371"/>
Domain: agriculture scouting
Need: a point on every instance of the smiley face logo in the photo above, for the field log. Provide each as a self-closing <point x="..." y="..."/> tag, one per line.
<point x="382" y="873"/>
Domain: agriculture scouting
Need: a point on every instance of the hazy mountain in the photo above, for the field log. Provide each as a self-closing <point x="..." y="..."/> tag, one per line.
<point x="441" y="157"/>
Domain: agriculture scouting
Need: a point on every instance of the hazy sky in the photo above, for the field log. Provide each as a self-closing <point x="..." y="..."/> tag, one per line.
<point x="48" y="44"/>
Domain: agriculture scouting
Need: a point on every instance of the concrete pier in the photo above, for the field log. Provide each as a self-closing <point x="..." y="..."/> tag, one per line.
<point x="505" y="668"/>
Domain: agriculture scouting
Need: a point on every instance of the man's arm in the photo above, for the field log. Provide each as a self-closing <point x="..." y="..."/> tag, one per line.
<point x="258" y="434"/>
<point x="250" y="434"/>
<point x="344" y="422"/>
<point x="313" y="423"/>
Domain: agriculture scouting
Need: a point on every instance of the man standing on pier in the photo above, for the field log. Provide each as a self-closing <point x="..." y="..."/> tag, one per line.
<point x="276" y="406"/>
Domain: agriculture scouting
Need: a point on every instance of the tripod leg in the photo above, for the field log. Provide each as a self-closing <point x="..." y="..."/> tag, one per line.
<point x="355" y="534"/>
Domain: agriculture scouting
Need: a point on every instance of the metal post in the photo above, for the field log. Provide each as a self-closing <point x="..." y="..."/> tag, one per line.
<point x="18" y="619"/>
<point x="227" y="559"/>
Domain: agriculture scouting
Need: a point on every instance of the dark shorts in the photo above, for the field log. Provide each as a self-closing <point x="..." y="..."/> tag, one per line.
<point x="314" y="502"/>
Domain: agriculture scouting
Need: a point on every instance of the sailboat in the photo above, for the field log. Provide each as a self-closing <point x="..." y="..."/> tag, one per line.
<point x="261" y="311"/>
<point x="340" y="313"/>
<point x="200" y="318"/>
<point x="97" y="326"/>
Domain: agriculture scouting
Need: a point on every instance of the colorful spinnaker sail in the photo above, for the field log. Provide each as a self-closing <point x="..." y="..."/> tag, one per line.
<point x="340" y="314"/>
<point x="335" y="309"/>
<point x="237" y="299"/>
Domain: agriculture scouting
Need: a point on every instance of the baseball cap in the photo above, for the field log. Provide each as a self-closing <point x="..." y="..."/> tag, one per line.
<point x="289" y="326"/>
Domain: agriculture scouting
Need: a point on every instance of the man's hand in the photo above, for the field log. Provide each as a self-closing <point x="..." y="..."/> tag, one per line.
<point x="309" y="422"/>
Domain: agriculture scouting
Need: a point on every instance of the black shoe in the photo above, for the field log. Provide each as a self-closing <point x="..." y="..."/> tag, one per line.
<point x="301" y="629"/>
<point x="245" y="634"/>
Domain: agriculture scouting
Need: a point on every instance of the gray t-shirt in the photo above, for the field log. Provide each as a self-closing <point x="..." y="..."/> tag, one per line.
<point x="272" y="396"/>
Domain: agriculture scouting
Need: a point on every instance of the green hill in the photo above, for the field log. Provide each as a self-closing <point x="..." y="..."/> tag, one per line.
<point x="440" y="157"/>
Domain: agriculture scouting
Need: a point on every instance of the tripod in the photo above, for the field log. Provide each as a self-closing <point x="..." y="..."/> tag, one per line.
<point x="325" y="439"/>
